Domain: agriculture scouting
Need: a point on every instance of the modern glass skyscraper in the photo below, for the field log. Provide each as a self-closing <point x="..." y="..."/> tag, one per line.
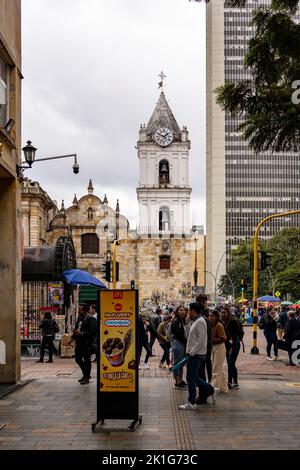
<point x="242" y="187"/>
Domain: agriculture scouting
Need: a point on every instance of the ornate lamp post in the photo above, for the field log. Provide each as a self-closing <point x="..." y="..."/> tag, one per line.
<point x="29" y="153"/>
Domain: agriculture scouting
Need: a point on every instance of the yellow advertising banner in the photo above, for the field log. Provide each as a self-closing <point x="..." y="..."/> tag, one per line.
<point x="117" y="341"/>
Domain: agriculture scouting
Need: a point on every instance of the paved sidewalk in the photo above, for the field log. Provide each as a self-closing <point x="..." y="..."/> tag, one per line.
<point x="55" y="412"/>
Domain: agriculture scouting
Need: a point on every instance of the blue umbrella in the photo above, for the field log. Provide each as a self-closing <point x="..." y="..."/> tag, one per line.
<point x="178" y="364"/>
<point x="269" y="298"/>
<point x="82" y="278"/>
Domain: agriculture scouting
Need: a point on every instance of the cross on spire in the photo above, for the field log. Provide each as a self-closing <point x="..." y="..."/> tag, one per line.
<point x="162" y="76"/>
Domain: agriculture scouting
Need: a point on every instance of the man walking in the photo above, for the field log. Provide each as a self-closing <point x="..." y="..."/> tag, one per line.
<point x="196" y="351"/>
<point x="85" y="336"/>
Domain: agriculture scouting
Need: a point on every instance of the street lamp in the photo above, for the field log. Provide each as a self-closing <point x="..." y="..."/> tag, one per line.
<point x="215" y="279"/>
<point x="232" y="284"/>
<point x="29" y="153"/>
<point x="217" y="271"/>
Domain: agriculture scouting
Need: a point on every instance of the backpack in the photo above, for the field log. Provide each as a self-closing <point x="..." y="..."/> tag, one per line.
<point x="241" y="330"/>
<point x="262" y="323"/>
<point x="169" y="333"/>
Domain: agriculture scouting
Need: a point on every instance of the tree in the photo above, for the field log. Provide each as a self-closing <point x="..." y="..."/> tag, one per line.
<point x="285" y="261"/>
<point x="284" y="248"/>
<point x="268" y="103"/>
<point x="239" y="268"/>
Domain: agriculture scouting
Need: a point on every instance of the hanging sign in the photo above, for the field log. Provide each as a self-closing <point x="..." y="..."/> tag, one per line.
<point x="56" y="293"/>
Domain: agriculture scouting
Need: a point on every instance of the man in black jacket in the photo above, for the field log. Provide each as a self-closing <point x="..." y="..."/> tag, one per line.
<point x="85" y="336"/>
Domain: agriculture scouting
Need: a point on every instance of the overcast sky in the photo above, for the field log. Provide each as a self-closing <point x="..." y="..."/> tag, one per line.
<point x="90" y="79"/>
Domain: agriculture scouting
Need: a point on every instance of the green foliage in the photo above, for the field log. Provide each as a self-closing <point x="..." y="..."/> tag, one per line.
<point x="284" y="248"/>
<point x="270" y="120"/>
<point x="288" y="281"/>
<point x="240" y="269"/>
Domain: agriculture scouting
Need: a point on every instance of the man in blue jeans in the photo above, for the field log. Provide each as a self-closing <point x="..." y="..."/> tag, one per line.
<point x="196" y="351"/>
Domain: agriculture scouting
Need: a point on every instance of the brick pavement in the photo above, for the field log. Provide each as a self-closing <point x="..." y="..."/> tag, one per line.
<point x="55" y="412"/>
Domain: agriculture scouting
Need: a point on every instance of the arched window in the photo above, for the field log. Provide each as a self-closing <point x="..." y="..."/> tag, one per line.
<point x="89" y="244"/>
<point x="90" y="213"/>
<point x="164" y="218"/>
<point x="164" y="175"/>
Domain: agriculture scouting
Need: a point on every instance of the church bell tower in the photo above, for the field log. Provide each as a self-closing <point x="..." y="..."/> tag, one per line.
<point x="163" y="192"/>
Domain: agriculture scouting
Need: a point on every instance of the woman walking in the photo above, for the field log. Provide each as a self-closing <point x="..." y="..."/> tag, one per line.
<point x="233" y="328"/>
<point x="268" y="323"/>
<point x="218" y="353"/>
<point x="49" y="327"/>
<point x="178" y="344"/>
<point x="164" y="341"/>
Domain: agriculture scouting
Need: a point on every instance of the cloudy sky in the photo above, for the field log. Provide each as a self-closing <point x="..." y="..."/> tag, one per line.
<point x="90" y="79"/>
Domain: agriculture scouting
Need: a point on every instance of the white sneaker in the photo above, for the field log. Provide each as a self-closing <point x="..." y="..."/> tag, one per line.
<point x="270" y="359"/>
<point x="146" y="366"/>
<point x="188" y="406"/>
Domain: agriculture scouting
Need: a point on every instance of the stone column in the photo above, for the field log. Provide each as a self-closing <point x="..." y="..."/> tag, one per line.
<point x="10" y="280"/>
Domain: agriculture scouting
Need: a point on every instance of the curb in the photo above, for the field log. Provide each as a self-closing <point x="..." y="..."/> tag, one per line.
<point x="13" y="387"/>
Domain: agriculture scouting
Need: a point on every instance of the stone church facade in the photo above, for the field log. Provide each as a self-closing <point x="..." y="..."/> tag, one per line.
<point x="93" y="225"/>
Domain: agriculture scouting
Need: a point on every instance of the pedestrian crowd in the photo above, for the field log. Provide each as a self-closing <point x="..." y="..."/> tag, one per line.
<point x="196" y="342"/>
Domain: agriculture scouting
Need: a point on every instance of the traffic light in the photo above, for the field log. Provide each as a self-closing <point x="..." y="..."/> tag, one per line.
<point x="132" y="285"/>
<point x="265" y="260"/>
<point x="106" y="270"/>
<point x="243" y="285"/>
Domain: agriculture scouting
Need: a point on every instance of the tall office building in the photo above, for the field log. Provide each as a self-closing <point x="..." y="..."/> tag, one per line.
<point x="242" y="187"/>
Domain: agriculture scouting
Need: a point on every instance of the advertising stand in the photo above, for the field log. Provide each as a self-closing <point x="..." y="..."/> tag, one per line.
<point x="117" y="357"/>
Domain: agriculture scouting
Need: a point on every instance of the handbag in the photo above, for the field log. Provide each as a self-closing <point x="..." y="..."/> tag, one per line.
<point x="284" y="345"/>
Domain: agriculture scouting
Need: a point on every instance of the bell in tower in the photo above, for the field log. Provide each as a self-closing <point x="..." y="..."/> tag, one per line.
<point x="164" y="177"/>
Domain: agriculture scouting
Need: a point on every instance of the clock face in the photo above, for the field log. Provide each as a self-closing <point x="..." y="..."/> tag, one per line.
<point x="163" y="136"/>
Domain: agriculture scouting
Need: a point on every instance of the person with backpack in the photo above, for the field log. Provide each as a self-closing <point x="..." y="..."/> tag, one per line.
<point x="268" y="324"/>
<point x="48" y="327"/>
<point x="281" y="323"/>
<point x="178" y="344"/>
<point x="162" y="336"/>
<point x="235" y="333"/>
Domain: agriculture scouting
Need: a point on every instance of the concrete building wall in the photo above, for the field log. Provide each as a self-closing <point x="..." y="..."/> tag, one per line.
<point x="215" y="145"/>
<point x="10" y="226"/>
